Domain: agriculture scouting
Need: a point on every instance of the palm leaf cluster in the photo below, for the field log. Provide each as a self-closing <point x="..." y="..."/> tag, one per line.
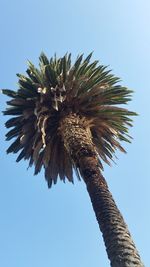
<point x="50" y="92"/>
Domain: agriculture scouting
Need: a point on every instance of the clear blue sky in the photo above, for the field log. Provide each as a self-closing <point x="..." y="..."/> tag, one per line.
<point x="57" y="227"/>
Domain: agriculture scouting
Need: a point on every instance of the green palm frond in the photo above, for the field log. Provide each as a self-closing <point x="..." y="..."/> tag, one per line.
<point x="55" y="89"/>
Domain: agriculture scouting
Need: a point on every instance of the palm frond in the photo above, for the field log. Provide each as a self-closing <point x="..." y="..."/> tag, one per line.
<point x="48" y="93"/>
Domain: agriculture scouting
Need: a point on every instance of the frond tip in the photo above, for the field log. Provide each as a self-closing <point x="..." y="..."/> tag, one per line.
<point x="54" y="90"/>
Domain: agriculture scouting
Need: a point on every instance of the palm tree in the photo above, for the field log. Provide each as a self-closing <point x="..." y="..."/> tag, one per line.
<point x="65" y="119"/>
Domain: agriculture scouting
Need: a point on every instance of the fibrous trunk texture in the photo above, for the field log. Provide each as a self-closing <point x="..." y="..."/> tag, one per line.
<point x="77" y="138"/>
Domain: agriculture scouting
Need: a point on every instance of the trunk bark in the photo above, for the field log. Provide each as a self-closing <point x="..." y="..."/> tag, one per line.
<point x="120" y="247"/>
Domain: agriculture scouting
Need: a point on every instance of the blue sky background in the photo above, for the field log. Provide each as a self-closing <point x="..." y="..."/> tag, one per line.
<point x="57" y="227"/>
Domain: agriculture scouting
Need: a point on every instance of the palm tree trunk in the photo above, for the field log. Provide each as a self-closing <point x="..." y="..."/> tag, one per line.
<point x="119" y="245"/>
<point x="120" y="248"/>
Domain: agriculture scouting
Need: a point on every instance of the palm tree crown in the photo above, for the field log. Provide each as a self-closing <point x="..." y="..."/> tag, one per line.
<point x="48" y="94"/>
